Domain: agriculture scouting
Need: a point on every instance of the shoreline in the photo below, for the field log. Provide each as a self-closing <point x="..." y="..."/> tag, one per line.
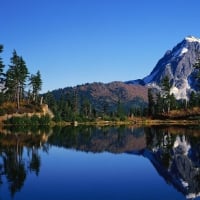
<point x="128" y="122"/>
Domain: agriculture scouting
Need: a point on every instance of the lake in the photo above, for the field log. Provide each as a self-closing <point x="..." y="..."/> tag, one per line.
<point x="161" y="162"/>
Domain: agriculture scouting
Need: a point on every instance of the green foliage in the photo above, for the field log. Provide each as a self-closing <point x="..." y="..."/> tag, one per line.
<point x="151" y="105"/>
<point x="19" y="121"/>
<point x="16" y="77"/>
<point x="197" y="74"/>
<point x="159" y="104"/>
<point x="1" y="62"/>
<point x="44" y="120"/>
<point x="164" y="100"/>
<point x="120" y="111"/>
<point x="173" y="102"/>
<point x="2" y="98"/>
<point x="51" y="102"/>
<point x="166" y="86"/>
<point x="32" y="121"/>
<point x="36" y="85"/>
<point x="193" y="100"/>
<point x="71" y="106"/>
<point x="2" y="112"/>
<point x="57" y="117"/>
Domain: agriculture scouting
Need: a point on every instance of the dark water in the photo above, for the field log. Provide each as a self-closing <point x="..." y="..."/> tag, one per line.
<point x="101" y="163"/>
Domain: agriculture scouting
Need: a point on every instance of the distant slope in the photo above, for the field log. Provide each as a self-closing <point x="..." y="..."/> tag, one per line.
<point x="110" y="94"/>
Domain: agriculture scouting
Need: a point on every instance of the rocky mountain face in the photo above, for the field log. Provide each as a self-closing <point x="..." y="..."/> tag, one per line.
<point x="109" y="95"/>
<point x="177" y="64"/>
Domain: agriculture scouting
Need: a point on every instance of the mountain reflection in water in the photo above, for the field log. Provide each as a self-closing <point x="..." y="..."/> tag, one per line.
<point x="173" y="151"/>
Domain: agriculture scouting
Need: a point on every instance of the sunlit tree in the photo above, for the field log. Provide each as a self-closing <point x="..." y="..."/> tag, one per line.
<point x="16" y="77"/>
<point x="166" y="86"/>
<point x="36" y="85"/>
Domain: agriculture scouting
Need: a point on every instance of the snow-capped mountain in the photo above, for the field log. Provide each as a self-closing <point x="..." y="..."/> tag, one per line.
<point x="177" y="64"/>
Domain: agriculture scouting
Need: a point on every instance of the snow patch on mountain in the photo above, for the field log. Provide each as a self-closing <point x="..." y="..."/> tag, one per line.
<point x="192" y="39"/>
<point x="181" y="93"/>
<point x="184" y="50"/>
<point x="180" y="52"/>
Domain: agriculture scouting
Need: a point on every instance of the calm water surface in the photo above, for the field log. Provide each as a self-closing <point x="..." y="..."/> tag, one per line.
<point x="101" y="163"/>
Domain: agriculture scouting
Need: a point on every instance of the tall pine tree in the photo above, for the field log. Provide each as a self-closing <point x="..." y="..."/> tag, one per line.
<point x="166" y="86"/>
<point x="1" y="62"/>
<point x="16" y="78"/>
<point x="2" y="76"/>
<point x="36" y="84"/>
<point x="151" y="105"/>
<point x="197" y="74"/>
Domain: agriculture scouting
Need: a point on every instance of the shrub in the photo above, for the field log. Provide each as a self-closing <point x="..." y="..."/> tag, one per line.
<point x="2" y="112"/>
<point x="45" y="120"/>
<point x="34" y="120"/>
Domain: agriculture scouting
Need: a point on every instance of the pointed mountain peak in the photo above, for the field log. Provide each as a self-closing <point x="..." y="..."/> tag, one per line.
<point x="192" y="39"/>
<point x="177" y="65"/>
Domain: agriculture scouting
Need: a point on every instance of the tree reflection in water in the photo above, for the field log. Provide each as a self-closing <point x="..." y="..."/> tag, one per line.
<point x="14" y="167"/>
<point x="175" y="153"/>
<point x="15" y="162"/>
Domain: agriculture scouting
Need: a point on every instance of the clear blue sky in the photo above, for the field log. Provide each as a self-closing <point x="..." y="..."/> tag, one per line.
<point x="78" y="41"/>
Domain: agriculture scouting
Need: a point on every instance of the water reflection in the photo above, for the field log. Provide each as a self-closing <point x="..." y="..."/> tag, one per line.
<point x="173" y="151"/>
<point x="176" y="157"/>
<point x="91" y="139"/>
<point x="15" y="164"/>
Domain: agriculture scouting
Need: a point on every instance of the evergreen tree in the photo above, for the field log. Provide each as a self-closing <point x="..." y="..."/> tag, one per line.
<point x="36" y="84"/>
<point x="51" y="101"/>
<point x="197" y="75"/>
<point x="1" y="62"/>
<point x="166" y="93"/>
<point x="173" y="102"/>
<point x="86" y="108"/>
<point x="16" y="77"/>
<point x="197" y="64"/>
<point x="165" y="85"/>
<point x="193" y="99"/>
<point x="105" y="108"/>
<point x="151" y="105"/>
<point x="75" y="102"/>
<point x="1" y="75"/>
<point x="120" y="110"/>
<point x="159" y="104"/>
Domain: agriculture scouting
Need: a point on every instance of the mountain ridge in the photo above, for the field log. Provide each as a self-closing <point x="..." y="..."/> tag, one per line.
<point x="106" y="94"/>
<point x="177" y="64"/>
